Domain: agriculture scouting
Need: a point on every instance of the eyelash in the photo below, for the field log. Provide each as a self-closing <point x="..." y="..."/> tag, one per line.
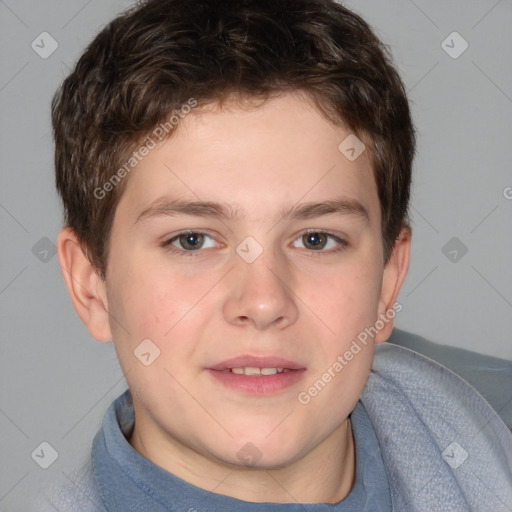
<point x="167" y="245"/>
<point x="343" y="244"/>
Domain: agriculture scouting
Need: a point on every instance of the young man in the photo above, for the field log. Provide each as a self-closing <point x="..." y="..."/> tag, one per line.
<point x="236" y="177"/>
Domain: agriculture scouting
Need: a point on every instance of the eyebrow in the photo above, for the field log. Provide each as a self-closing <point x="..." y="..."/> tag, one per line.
<point x="225" y="211"/>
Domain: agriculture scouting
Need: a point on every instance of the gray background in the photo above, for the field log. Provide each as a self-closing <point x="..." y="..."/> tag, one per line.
<point x="56" y="381"/>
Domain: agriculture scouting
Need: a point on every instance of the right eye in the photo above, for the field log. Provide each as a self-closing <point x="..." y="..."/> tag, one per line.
<point x="188" y="242"/>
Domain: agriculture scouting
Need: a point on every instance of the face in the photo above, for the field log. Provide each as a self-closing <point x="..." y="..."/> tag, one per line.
<point x="246" y="240"/>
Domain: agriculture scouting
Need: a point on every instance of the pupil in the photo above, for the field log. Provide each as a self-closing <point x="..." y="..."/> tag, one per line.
<point x="191" y="240"/>
<point x="316" y="240"/>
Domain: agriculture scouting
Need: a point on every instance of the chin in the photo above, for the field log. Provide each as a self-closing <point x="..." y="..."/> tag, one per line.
<point x="260" y="452"/>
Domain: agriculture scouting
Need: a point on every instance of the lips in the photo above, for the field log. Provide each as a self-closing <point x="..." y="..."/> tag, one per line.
<point x="247" y="361"/>
<point x="257" y="375"/>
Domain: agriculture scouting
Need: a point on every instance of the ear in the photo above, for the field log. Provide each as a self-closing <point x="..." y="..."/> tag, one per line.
<point x="86" y="288"/>
<point x="392" y="280"/>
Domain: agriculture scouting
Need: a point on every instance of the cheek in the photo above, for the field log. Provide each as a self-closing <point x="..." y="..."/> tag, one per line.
<point x="159" y="307"/>
<point x="347" y="299"/>
<point x="152" y="301"/>
<point x="166" y="308"/>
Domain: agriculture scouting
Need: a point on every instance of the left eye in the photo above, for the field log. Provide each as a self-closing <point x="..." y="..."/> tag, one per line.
<point x="318" y="240"/>
<point x="191" y="241"/>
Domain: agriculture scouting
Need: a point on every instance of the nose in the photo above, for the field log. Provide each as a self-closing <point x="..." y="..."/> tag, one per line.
<point x="260" y="295"/>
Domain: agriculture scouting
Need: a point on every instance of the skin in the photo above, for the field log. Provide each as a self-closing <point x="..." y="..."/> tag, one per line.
<point x="295" y="300"/>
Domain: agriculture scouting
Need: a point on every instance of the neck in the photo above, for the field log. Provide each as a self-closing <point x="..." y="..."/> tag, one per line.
<point x="325" y="475"/>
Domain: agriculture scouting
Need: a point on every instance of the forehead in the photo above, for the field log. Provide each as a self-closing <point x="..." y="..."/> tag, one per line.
<point x="257" y="158"/>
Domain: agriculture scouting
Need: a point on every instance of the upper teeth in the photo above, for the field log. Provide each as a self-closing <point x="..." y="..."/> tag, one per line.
<point x="250" y="370"/>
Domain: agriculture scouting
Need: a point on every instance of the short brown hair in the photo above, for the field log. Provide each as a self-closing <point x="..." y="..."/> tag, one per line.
<point x="149" y="61"/>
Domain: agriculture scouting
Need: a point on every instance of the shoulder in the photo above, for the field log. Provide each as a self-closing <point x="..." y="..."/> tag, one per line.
<point x="73" y="492"/>
<point x="431" y="404"/>
<point x="490" y="376"/>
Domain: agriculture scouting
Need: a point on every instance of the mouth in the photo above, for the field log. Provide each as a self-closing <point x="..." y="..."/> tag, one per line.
<point x="257" y="375"/>
<point x="253" y="371"/>
<point x="258" y="362"/>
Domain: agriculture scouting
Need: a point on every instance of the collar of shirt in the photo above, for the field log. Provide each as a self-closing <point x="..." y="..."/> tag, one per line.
<point x="128" y="482"/>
